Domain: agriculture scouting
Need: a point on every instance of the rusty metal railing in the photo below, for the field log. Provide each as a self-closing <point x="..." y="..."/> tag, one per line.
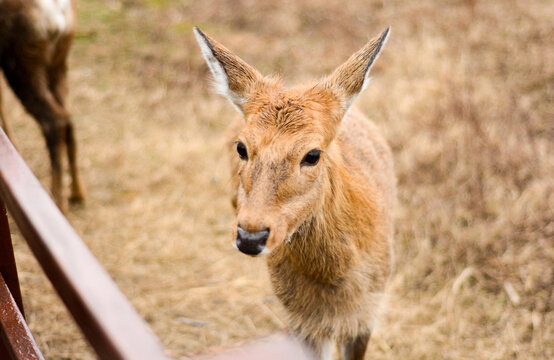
<point x="109" y="322"/>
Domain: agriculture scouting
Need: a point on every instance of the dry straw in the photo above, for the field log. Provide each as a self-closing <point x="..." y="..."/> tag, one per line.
<point x="464" y="94"/>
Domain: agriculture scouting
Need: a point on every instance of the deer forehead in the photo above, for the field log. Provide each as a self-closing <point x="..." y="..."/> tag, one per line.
<point x="291" y="116"/>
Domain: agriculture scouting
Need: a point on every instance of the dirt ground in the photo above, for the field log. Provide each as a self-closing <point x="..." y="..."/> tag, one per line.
<point x="463" y="92"/>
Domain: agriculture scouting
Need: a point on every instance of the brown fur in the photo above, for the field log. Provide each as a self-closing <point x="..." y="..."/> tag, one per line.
<point x="330" y="224"/>
<point x="34" y="62"/>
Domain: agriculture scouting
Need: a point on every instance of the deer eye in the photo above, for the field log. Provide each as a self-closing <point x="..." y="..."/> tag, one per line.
<point x="241" y="149"/>
<point x="311" y="158"/>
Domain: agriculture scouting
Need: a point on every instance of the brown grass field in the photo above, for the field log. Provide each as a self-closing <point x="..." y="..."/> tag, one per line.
<point x="463" y="92"/>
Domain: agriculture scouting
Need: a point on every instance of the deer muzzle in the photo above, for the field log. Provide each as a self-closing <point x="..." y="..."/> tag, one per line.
<point x="251" y="243"/>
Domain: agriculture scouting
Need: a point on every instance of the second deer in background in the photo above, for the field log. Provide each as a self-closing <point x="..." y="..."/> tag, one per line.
<point x="35" y="38"/>
<point x="314" y="188"/>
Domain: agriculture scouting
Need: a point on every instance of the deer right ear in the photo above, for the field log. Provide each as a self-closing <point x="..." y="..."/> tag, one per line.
<point x="351" y="78"/>
<point x="233" y="78"/>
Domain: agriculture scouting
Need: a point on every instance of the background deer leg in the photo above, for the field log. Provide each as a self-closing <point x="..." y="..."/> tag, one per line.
<point x="57" y="82"/>
<point x="354" y="349"/>
<point x="55" y="141"/>
<point x="29" y="82"/>
<point x="77" y="188"/>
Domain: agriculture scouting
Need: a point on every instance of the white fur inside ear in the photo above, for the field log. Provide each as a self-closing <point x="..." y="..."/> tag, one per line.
<point x="375" y="56"/>
<point x="221" y="80"/>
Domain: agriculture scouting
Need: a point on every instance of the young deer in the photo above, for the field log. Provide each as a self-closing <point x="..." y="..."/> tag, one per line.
<point x="314" y="188"/>
<point x="35" y="37"/>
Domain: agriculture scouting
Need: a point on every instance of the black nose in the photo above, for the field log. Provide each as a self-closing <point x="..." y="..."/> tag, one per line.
<point x="251" y="243"/>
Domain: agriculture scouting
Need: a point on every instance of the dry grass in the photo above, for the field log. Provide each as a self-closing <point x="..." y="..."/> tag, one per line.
<point x="464" y="94"/>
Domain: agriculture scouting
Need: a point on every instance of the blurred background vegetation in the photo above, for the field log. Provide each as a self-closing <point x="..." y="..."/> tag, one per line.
<point x="463" y="92"/>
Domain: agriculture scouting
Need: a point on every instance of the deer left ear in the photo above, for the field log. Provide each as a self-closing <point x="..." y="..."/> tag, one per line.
<point x="233" y="77"/>
<point x="352" y="77"/>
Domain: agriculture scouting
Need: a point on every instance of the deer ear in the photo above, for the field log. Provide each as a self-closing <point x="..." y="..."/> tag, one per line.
<point x="352" y="77"/>
<point x="233" y="78"/>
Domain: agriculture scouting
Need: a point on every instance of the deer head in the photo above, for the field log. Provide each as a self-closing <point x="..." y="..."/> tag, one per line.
<point x="286" y="151"/>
